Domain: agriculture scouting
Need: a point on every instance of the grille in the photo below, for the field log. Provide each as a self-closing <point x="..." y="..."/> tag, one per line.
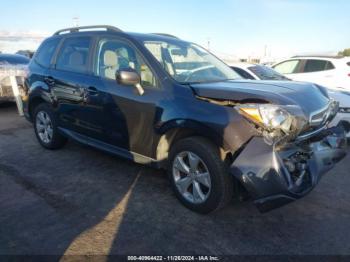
<point x="6" y="91"/>
<point x="320" y="117"/>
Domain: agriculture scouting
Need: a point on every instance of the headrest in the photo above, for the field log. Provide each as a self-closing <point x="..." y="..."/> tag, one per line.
<point x="76" y="58"/>
<point x="110" y="58"/>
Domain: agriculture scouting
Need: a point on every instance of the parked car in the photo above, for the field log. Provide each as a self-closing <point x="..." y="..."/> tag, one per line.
<point x="261" y="72"/>
<point x="13" y="62"/>
<point x="331" y="72"/>
<point x="256" y="72"/>
<point x="162" y="101"/>
<point x="27" y="53"/>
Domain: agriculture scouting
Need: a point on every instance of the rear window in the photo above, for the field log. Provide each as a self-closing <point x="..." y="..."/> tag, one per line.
<point x="74" y="55"/>
<point x="314" y="65"/>
<point x="266" y="73"/>
<point x="47" y="49"/>
<point x="242" y="73"/>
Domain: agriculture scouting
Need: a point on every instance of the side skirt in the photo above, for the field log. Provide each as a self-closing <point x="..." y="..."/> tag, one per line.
<point x="135" y="157"/>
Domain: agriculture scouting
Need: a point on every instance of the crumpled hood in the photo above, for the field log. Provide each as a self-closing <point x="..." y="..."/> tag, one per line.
<point x="308" y="96"/>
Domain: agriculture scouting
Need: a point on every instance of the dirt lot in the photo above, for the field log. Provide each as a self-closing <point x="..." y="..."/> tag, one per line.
<point x="82" y="201"/>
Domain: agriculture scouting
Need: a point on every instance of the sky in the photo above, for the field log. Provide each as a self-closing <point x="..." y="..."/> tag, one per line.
<point x="233" y="27"/>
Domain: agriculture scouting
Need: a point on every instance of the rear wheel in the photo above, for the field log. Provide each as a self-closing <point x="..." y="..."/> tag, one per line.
<point x="45" y="127"/>
<point x="200" y="179"/>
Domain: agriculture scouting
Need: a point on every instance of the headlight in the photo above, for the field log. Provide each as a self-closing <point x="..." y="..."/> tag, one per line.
<point x="272" y="117"/>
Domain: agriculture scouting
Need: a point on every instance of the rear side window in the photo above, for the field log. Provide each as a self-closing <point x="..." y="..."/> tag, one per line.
<point x="348" y="63"/>
<point x="244" y="74"/>
<point x="74" y="55"/>
<point x="314" y="65"/>
<point x="287" y="67"/>
<point x="44" y="55"/>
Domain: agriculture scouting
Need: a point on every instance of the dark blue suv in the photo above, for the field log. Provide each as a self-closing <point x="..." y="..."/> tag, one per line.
<point x="158" y="100"/>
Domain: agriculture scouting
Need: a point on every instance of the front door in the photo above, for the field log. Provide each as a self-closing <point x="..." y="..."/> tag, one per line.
<point x="128" y="118"/>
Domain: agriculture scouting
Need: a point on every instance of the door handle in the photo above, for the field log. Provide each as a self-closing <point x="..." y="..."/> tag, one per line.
<point x="92" y="91"/>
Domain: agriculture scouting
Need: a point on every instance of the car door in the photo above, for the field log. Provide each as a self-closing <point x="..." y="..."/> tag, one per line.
<point x="128" y="118"/>
<point x="319" y="71"/>
<point x="72" y="84"/>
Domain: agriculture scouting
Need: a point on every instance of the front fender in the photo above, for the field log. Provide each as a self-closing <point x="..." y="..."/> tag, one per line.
<point x="197" y="127"/>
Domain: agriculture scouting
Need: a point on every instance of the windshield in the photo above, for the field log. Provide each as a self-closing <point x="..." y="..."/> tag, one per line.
<point x="189" y="63"/>
<point x="266" y="73"/>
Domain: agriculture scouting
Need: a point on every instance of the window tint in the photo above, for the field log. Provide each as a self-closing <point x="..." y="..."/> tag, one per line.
<point x="116" y="55"/>
<point x="244" y="74"/>
<point x="288" y="67"/>
<point x="314" y="65"/>
<point x="46" y="51"/>
<point x="74" y="55"/>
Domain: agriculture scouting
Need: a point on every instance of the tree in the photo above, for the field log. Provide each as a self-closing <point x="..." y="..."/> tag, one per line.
<point x="345" y="52"/>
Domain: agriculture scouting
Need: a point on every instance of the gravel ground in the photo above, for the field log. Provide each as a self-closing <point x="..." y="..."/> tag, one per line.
<point x="82" y="201"/>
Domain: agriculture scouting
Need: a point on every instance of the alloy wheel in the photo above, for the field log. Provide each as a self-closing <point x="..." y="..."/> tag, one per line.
<point x="192" y="177"/>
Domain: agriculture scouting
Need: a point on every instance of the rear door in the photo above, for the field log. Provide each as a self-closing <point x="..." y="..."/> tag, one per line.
<point x="319" y="71"/>
<point x="71" y="80"/>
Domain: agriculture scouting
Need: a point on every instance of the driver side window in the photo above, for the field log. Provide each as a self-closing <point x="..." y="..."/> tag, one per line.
<point x="287" y="67"/>
<point x="114" y="55"/>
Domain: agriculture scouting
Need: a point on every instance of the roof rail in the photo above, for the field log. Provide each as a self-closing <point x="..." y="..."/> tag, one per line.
<point x="168" y="35"/>
<point x="77" y="29"/>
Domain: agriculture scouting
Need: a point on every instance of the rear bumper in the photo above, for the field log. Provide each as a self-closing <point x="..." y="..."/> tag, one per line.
<point x="275" y="177"/>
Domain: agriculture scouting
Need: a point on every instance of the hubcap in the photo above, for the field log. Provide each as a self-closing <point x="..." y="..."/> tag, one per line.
<point x="192" y="177"/>
<point x="44" y="127"/>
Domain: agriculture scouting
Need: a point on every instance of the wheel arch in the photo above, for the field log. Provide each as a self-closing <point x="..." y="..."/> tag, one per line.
<point x="38" y="93"/>
<point x="176" y="130"/>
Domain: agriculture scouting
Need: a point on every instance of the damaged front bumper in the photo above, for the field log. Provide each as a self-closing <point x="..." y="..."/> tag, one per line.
<point x="277" y="176"/>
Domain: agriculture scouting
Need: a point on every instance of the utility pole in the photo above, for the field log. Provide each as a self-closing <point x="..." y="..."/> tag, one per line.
<point x="208" y="43"/>
<point x="75" y="21"/>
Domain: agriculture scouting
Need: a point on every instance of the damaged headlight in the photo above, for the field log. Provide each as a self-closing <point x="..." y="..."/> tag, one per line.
<point x="271" y="117"/>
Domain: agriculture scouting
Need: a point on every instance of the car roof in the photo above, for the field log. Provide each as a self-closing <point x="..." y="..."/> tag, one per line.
<point x="242" y="65"/>
<point x="98" y="30"/>
<point x="319" y="56"/>
<point x="328" y="58"/>
<point x="2" y="55"/>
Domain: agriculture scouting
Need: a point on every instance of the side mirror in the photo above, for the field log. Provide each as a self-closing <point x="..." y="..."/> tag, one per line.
<point x="129" y="77"/>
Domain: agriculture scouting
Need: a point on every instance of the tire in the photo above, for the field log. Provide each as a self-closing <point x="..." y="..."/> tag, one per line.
<point x="44" y="118"/>
<point x="217" y="191"/>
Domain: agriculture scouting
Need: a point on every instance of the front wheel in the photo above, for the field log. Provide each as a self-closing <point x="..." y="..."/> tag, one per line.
<point x="199" y="177"/>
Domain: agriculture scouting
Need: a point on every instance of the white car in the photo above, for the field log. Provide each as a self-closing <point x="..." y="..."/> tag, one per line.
<point x="331" y="72"/>
<point x="256" y="72"/>
<point x="261" y="72"/>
